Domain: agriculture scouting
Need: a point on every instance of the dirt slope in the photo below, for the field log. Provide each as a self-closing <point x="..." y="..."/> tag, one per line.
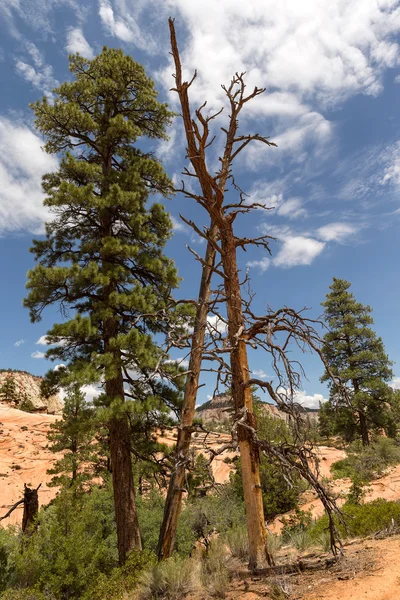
<point x="23" y="444"/>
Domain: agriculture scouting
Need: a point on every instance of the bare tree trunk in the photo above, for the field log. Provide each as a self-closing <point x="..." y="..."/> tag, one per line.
<point x="212" y="198"/>
<point x="128" y="533"/>
<point x="243" y="402"/>
<point x="31" y="509"/>
<point x="173" y="501"/>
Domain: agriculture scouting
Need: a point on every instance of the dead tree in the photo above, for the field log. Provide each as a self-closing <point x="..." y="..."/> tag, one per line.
<point x="212" y="198"/>
<point x="31" y="509"/>
<point x="173" y="501"/>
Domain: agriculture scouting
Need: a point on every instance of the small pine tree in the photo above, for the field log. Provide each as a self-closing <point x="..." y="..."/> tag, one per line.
<point x="8" y="390"/>
<point x="73" y="435"/>
<point x="358" y="357"/>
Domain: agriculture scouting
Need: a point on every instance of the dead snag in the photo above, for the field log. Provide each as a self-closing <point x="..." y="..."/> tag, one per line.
<point x="212" y="198"/>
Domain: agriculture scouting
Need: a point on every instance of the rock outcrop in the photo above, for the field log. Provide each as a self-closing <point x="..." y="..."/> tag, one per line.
<point x="20" y="389"/>
<point x="219" y="410"/>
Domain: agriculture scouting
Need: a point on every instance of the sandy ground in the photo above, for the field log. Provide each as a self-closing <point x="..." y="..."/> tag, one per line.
<point x="23" y="444"/>
<point x="371" y="571"/>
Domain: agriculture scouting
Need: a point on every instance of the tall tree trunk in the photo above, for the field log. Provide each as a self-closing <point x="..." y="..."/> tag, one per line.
<point x="128" y="533"/>
<point x="243" y="401"/>
<point x="31" y="509"/>
<point x="173" y="501"/>
<point x="363" y="428"/>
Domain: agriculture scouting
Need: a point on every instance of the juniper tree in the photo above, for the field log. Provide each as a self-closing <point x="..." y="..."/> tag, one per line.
<point x="102" y="260"/>
<point x="356" y="355"/>
<point x="73" y="435"/>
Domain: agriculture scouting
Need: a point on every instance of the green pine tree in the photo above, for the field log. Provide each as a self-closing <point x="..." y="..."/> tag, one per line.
<point x="102" y="260"/>
<point x="358" y="357"/>
<point x="8" y="389"/>
<point x="73" y="435"/>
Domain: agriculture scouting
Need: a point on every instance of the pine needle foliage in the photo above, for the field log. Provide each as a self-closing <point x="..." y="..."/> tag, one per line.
<point x="357" y="355"/>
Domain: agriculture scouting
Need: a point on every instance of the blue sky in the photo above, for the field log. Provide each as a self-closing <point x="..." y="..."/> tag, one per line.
<point x="332" y="78"/>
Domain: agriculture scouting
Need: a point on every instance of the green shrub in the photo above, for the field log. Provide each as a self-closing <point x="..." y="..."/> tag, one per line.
<point x="362" y="520"/>
<point x="122" y="580"/>
<point x="367" y="463"/>
<point x="75" y="543"/>
<point x="150" y="514"/>
<point x="216" y="513"/>
<point x="26" y="594"/>
<point x="26" y="405"/>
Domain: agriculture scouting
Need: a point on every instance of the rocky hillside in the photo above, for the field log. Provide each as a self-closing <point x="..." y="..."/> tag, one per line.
<point x="24" y="458"/>
<point x="219" y="410"/>
<point x="20" y="389"/>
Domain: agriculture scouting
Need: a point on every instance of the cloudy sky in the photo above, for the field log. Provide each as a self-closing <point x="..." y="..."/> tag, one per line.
<point x="332" y="78"/>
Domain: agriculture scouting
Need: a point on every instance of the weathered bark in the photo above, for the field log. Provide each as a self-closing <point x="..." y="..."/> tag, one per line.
<point x="128" y="532"/>
<point x="259" y="556"/>
<point x="363" y="428"/>
<point x="212" y="199"/>
<point x="31" y="509"/>
<point x="173" y="501"/>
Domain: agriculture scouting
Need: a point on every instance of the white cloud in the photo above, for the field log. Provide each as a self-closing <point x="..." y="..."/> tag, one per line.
<point x="37" y="354"/>
<point x="122" y="23"/>
<point x="292" y="209"/>
<point x="329" y="50"/>
<point x="166" y="149"/>
<point x="22" y="164"/>
<point x="19" y="343"/>
<point x="181" y="362"/>
<point x="259" y="373"/>
<point x="298" y="250"/>
<point x="44" y="341"/>
<point x="261" y="264"/>
<point x="39" y="74"/>
<point x="37" y="15"/>
<point x="76" y="42"/>
<point x="214" y="323"/>
<point x="307" y="400"/>
<point x="337" y="232"/>
<point x="91" y="392"/>
<point x="395" y="383"/>
<point x="178" y="224"/>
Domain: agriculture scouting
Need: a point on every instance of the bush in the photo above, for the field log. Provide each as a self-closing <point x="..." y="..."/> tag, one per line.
<point x="215" y="570"/>
<point x="170" y="579"/>
<point x="238" y="542"/>
<point x="150" y="514"/>
<point x="362" y="520"/>
<point x="216" y="513"/>
<point x="75" y="543"/>
<point x="367" y="463"/>
<point x="121" y="580"/>
<point x="27" y="594"/>
<point x="26" y="405"/>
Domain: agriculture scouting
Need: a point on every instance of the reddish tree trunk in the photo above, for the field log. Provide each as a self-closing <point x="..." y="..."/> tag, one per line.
<point x="128" y="533"/>
<point x="173" y="501"/>
<point x="243" y="402"/>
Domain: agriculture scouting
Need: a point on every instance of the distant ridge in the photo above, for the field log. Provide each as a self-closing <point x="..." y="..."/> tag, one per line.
<point x="219" y="409"/>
